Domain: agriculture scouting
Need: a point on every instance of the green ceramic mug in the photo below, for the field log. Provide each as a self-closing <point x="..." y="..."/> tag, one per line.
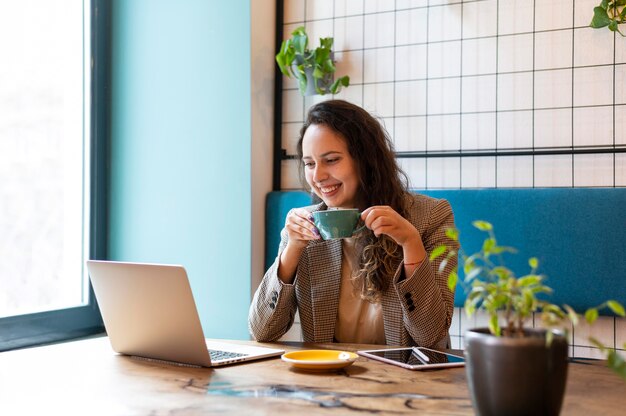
<point x="337" y="223"/>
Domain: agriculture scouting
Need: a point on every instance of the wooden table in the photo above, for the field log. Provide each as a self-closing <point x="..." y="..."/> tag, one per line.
<point x="88" y="378"/>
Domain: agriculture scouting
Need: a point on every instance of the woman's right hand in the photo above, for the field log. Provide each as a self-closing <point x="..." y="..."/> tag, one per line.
<point x="300" y="227"/>
<point x="300" y="230"/>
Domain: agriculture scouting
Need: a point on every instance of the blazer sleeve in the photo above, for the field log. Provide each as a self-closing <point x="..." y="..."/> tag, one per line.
<point x="426" y="300"/>
<point x="274" y="304"/>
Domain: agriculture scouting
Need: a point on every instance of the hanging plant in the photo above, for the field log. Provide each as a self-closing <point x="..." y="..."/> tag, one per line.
<point x="314" y="69"/>
<point x="611" y="13"/>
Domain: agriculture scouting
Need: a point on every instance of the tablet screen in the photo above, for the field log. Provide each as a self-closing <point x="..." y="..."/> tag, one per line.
<point x="416" y="357"/>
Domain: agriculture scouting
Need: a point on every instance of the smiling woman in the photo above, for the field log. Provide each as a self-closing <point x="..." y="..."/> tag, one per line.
<point x="377" y="286"/>
<point x="46" y="188"/>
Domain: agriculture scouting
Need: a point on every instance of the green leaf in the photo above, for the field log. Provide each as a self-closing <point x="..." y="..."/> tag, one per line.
<point x="542" y="289"/>
<point x="494" y="328"/>
<point x="438" y="251"/>
<point x="613" y="26"/>
<point x="302" y="83"/>
<point x="529" y="299"/>
<point x="483" y="225"/>
<point x="317" y="73"/>
<point x="591" y="315"/>
<point x="529" y="280"/>
<point x="285" y="57"/>
<point x="600" y="18"/>
<point x="322" y="56"/>
<point x="573" y="316"/>
<point x="616" y="307"/>
<point x="553" y="309"/>
<point x="300" y="40"/>
<point x="617" y="364"/>
<point x="469" y="263"/>
<point x="452" y="280"/>
<point x="604" y="4"/>
<point x="470" y="308"/>
<point x="503" y="249"/>
<point x="326" y="43"/>
<point x="533" y="262"/>
<point x="488" y="244"/>
<point x="340" y="82"/>
<point x="598" y="344"/>
<point x="452" y="233"/>
<point x="475" y="294"/>
<point x="500" y="272"/>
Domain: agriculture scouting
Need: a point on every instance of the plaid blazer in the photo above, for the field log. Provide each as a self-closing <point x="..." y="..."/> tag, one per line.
<point x="416" y="310"/>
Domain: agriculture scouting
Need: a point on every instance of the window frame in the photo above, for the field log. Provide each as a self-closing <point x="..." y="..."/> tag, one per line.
<point x="34" y="329"/>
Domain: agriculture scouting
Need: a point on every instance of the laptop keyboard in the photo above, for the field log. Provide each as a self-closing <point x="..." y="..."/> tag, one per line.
<point x="224" y="355"/>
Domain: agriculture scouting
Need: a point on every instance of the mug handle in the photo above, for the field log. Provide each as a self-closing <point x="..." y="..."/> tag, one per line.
<point x="358" y="230"/>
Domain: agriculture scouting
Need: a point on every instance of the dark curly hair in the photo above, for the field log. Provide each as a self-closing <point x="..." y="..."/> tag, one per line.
<point x="381" y="182"/>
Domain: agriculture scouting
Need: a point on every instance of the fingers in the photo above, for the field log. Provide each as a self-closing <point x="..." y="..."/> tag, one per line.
<point x="385" y="220"/>
<point x="379" y="215"/>
<point x="299" y="224"/>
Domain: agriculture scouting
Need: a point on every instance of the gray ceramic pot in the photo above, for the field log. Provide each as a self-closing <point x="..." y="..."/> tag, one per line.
<point x="515" y="376"/>
<point x="324" y="83"/>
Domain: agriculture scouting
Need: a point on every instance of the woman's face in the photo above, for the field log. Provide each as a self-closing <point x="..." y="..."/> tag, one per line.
<point x="329" y="169"/>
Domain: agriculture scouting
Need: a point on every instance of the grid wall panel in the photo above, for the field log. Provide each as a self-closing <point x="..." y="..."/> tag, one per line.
<point x="477" y="75"/>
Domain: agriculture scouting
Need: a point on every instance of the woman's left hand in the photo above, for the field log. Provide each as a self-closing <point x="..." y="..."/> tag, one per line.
<point x="383" y="219"/>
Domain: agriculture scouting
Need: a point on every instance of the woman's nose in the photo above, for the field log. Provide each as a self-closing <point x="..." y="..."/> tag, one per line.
<point x="319" y="175"/>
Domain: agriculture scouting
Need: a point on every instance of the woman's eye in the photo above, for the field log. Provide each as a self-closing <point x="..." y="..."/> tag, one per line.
<point x="332" y="160"/>
<point x="309" y="164"/>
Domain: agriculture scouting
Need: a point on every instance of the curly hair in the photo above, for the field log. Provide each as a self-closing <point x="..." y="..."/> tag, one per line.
<point x="381" y="182"/>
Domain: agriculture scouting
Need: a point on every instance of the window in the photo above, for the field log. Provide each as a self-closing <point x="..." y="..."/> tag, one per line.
<point x="50" y="157"/>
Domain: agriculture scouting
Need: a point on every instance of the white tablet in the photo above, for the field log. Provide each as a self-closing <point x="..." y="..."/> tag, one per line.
<point x="415" y="358"/>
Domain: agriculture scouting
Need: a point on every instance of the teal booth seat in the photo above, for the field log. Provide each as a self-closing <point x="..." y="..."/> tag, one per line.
<point x="578" y="235"/>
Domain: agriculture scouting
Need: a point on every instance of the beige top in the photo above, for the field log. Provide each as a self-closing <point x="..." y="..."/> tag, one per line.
<point x="358" y="321"/>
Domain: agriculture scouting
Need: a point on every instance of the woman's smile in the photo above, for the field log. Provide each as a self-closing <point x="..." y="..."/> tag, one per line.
<point x="328" y="190"/>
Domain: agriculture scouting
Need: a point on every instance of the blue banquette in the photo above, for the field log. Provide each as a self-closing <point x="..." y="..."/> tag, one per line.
<point x="578" y="234"/>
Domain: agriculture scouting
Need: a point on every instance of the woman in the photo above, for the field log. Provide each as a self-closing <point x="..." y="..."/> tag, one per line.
<point x="378" y="287"/>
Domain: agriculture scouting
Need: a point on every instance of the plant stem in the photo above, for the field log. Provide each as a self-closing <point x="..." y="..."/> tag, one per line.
<point x="509" y="321"/>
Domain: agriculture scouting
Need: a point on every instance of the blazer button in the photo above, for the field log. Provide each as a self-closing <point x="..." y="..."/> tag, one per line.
<point x="411" y="308"/>
<point x="409" y="301"/>
<point x="407" y="295"/>
<point x="272" y="305"/>
<point x="274" y="298"/>
<point x="274" y="293"/>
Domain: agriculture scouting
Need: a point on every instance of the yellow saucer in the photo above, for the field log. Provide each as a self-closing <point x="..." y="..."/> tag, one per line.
<point x="319" y="360"/>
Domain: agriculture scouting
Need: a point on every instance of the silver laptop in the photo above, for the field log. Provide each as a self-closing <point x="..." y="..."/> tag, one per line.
<point x="149" y="311"/>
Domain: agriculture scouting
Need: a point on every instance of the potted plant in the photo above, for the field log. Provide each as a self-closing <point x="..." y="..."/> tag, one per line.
<point x="611" y="13"/>
<point x="513" y="369"/>
<point x="314" y="69"/>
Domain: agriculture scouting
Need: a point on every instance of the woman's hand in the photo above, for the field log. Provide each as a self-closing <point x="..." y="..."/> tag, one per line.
<point x="300" y="230"/>
<point x="383" y="219"/>
<point x="300" y="227"/>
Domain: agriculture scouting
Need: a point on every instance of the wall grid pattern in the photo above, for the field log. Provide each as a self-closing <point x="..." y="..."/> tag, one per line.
<point x="470" y="81"/>
<point x="497" y="93"/>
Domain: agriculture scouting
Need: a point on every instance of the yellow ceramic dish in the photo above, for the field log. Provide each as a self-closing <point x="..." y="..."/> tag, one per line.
<point x="319" y="360"/>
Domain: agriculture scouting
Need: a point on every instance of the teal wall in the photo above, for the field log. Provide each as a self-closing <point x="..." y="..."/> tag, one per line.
<point x="180" y="148"/>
